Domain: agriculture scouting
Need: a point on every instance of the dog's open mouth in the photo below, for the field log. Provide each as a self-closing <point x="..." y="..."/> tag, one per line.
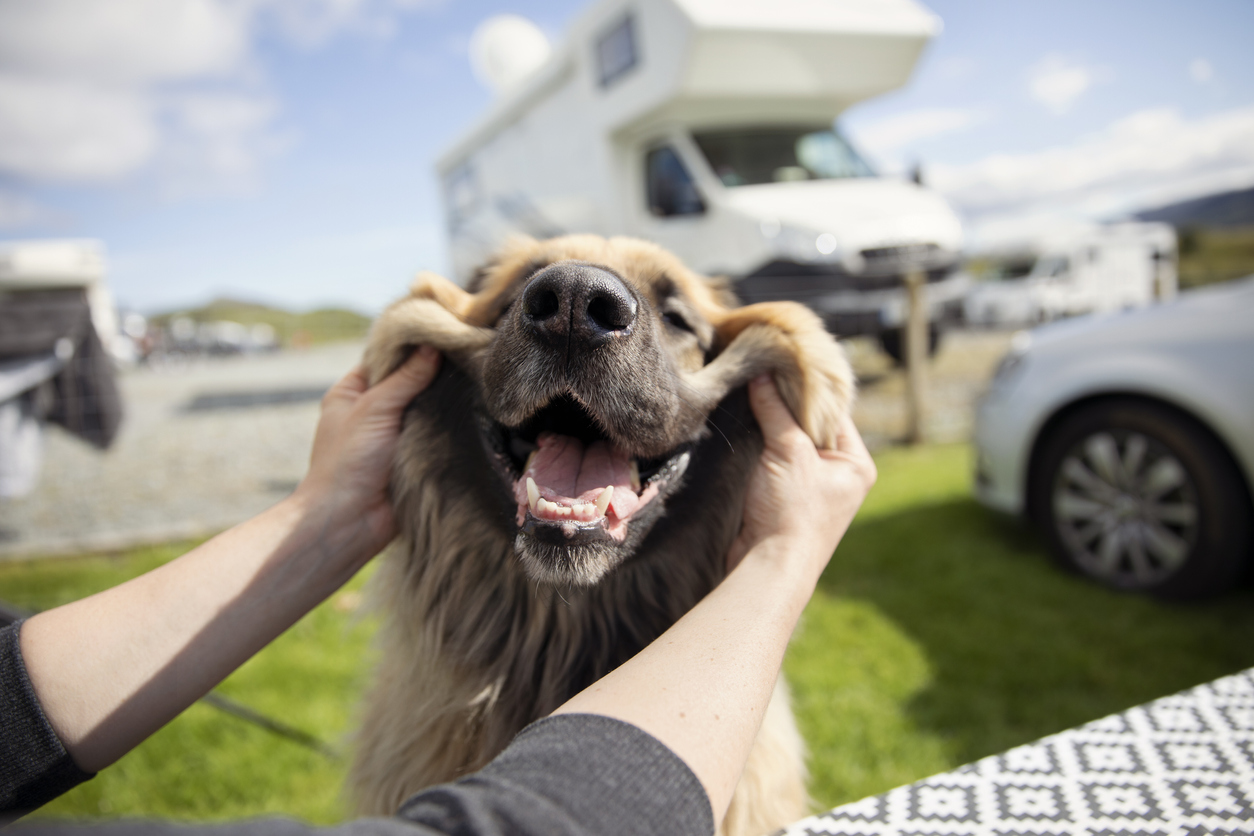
<point x="572" y="483"/>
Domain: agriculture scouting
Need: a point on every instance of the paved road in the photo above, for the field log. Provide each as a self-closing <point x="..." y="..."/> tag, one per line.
<point x="207" y="445"/>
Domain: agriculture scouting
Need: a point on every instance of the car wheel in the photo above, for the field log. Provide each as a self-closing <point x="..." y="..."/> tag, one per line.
<point x="1140" y="496"/>
<point x="893" y="342"/>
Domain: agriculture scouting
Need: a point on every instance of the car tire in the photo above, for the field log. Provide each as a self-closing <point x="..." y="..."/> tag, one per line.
<point x="894" y="343"/>
<point x="1140" y="496"/>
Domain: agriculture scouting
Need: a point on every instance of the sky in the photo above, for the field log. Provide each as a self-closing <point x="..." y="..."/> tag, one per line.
<point x="282" y="150"/>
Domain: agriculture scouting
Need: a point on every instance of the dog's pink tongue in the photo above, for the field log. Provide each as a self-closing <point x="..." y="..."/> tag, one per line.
<point x="564" y="466"/>
<point x="557" y="461"/>
<point x="603" y="464"/>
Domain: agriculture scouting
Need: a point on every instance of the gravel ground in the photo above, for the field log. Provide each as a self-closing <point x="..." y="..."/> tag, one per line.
<point x="208" y="444"/>
<point x="203" y="446"/>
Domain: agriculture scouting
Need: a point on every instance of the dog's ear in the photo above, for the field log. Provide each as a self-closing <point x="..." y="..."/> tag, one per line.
<point x="789" y="341"/>
<point x="435" y="313"/>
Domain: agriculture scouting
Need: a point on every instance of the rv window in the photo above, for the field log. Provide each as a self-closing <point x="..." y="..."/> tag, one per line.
<point x="461" y="194"/>
<point x="669" y="187"/>
<point x="1054" y="266"/>
<point x="1004" y="269"/>
<point x="616" y="52"/>
<point x="749" y="156"/>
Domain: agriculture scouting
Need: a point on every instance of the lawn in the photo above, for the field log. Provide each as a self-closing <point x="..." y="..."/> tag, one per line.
<point x="208" y="765"/>
<point x="1215" y="255"/>
<point x="940" y="633"/>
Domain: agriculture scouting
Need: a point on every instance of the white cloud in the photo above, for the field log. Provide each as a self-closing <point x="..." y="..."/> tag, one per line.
<point x="71" y="130"/>
<point x="223" y="134"/>
<point x="1201" y="71"/>
<point x="123" y="41"/>
<point x="1057" y="82"/>
<point x="98" y="90"/>
<point x="893" y="133"/>
<point x="1150" y="157"/>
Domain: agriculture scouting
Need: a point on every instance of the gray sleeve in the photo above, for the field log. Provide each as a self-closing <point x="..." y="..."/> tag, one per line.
<point x="571" y="775"/>
<point x="34" y="766"/>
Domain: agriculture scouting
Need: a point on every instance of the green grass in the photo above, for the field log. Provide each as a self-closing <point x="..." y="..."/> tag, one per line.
<point x="1215" y="255"/>
<point x="940" y="633"/>
<point x="207" y="765"/>
<point x="292" y="329"/>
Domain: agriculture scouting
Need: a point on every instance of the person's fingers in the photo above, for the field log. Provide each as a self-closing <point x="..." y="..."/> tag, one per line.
<point x="769" y="408"/>
<point x="413" y="376"/>
<point x="849" y="440"/>
<point x="852" y="449"/>
<point x="349" y="386"/>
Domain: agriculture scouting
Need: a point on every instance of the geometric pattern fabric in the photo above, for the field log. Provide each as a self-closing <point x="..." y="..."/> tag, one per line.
<point x="1179" y="766"/>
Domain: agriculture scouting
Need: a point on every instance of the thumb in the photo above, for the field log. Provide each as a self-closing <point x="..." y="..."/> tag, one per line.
<point x="414" y="375"/>
<point x="769" y="408"/>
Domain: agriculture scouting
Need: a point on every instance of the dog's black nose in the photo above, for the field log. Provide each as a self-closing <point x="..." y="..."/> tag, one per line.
<point x="578" y="304"/>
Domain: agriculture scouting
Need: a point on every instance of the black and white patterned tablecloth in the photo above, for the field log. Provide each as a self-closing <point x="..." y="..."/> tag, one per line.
<point x="1179" y="765"/>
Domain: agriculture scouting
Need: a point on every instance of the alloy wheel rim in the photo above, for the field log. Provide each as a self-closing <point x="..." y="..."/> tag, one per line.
<point x="1126" y="508"/>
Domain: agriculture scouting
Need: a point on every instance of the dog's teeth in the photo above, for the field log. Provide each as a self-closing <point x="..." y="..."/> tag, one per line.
<point x="562" y="510"/>
<point x="530" y="459"/>
<point x="635" y="476"/>
<point x="533" y="493"/>
<point x="603" y="499"/>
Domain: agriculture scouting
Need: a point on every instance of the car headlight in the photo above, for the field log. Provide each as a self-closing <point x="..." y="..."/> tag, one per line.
<point x="804" y="246"/>
<point x="1012" y="364"/>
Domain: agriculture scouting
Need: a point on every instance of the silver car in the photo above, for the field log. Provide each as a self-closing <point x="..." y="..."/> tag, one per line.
<point x="1129" y="440"/>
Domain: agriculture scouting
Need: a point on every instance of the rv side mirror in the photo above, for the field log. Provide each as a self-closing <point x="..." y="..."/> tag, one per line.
<point x="669" y="187"/>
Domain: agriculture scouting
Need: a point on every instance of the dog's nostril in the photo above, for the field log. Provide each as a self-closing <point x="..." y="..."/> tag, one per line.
<point x="541" y="304"/>
<point x="611" y="312"/>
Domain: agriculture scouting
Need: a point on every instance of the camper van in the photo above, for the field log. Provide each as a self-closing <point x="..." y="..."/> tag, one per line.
<point x="1100" y="268"/>
<point x="708" y="126"/>
<point x="61" y="268"/>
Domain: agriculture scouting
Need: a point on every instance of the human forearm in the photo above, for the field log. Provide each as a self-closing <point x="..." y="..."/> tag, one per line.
<point x="113" y="668"/>
<point x="702" y="687"/>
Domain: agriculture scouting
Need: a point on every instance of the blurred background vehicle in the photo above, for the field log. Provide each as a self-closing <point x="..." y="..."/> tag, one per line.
<point x="1093" y="269"/>
<point x="1129" y="440"/>
<point x="57" y="329"/>
<point x="709" y="128"/>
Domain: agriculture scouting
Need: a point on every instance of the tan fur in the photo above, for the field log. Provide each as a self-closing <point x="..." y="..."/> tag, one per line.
<point x="472" y="649"/>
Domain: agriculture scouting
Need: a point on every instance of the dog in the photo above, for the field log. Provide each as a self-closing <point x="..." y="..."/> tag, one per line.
<point x="565" y="490"/>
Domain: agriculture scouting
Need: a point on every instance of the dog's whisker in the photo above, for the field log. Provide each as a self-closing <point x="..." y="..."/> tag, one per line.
<point x="704" y="417"/>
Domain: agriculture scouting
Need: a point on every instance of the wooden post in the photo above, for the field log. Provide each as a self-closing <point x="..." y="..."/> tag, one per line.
<point x="915" y="333"/>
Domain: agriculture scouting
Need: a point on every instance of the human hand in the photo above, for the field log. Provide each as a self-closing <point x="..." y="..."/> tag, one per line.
<point x="354" y="446"/>
<point x="799" y="496"/>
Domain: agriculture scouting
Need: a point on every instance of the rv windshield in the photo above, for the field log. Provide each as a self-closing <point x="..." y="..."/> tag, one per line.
<point x="749" y="156"/>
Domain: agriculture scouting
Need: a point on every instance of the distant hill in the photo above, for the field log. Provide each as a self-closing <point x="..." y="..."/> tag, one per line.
<point x="317" y="326"/>
<point x="1227" y="209"/>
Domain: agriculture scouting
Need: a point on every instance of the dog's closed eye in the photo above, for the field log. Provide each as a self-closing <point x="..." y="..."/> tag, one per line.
<point x="677" y="320"/>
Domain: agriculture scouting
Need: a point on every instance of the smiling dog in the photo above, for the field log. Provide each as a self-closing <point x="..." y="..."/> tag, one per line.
<point x="565" y="490"/>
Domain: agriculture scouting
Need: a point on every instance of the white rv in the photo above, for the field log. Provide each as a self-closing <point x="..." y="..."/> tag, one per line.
<point x="708" y="127"/>
<point x="72" y="265"/>
<point x="1101" y="268"/>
